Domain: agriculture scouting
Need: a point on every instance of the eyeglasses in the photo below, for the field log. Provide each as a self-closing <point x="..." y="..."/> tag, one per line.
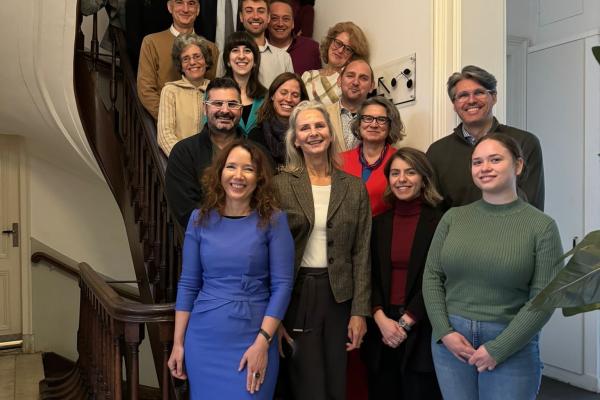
<point x="479" y="94"/>
<point x="381" y="120"/>
<point x="196" y="57"/>
<point x="337" y="44"/>
<point x="231" y="104"/>
<point x="190" y="3"/>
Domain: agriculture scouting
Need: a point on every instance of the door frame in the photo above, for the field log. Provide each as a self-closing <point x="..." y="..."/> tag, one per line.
<point x="24" y="242"/>
<point x="516" y="92"/>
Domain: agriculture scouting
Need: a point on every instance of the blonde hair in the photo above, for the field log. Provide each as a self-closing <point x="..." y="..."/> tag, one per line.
<point x="358" y="41"/>
<point x="294" y="158"/>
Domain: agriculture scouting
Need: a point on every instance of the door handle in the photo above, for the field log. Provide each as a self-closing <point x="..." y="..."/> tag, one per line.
<point x="575" y="241"/>
<point x="15" y="232"/>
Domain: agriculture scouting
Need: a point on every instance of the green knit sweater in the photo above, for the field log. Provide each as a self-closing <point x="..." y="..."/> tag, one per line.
<point x="485" y="263"/>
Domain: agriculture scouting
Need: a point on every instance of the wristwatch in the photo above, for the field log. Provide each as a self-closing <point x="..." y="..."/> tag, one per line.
<point x="266" y="335"/>
<point x="404" y="325"/>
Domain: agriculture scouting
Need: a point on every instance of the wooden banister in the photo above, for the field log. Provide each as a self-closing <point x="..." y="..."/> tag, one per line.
<point x="110" y="332"/>
<point x="122" y="136"/>
<point x="124" y="292"/>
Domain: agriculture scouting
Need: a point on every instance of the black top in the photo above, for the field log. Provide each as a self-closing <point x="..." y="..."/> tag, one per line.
<point x="417" y="356"/>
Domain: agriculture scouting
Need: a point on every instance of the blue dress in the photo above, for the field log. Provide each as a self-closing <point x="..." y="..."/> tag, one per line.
<point x="234" y="274"/>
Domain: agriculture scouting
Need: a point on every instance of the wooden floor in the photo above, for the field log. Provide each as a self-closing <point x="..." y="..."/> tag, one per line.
<point x="20" y="375"/>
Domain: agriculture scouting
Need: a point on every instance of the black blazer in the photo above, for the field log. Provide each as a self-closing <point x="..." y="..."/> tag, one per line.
<point x="418" y="344"/>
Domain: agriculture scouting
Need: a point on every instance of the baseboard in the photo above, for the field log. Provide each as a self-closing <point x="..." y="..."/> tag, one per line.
<point x="587" y="382"/>
<point x="28" y="344"/>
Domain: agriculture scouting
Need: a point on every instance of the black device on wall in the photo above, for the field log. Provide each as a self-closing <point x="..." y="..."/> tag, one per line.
<point x="596" y="51"/>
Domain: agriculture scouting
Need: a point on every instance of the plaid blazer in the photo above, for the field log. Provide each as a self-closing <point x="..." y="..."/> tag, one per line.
<point x="348" y="232"/>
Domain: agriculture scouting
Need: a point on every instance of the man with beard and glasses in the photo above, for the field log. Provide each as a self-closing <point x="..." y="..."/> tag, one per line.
<point x="254" y="15"/>
<point x="190" y="156"/>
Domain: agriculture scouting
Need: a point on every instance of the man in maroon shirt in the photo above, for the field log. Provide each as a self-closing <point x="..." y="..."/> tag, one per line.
<point x="303" y="51"/>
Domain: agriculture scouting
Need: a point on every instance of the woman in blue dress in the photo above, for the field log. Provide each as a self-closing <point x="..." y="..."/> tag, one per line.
<point x="236" y="282"/>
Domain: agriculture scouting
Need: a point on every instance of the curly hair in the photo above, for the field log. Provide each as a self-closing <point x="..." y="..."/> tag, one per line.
<point x="187" y="39"/>
<point x="263" y="199"/>
<point x="266" y="110"/>
<point x="358" y="41"/>
<point x="396" y="126"/>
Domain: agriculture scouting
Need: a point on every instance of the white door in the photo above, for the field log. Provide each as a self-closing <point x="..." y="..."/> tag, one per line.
<point x="10" y="265"/>
<point x="556" y="105"/>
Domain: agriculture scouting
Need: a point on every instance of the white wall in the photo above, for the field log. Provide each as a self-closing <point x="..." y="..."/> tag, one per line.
<point x="395" y="28"/>
<point x="543" y="21"/>
<point x="77" y="215"/>
<point x="519" y="16"/>
<point x="483" y="42"/>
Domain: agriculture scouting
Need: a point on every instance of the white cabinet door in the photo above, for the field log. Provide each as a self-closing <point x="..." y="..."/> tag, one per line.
<point x="556" y="97"/>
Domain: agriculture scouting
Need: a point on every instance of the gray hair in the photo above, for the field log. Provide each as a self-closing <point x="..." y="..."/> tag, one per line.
<point x="396" y="129"/>
<point x="187" y="39"/>
<point x="294" y="159"/>
<point x="474" y="73"/>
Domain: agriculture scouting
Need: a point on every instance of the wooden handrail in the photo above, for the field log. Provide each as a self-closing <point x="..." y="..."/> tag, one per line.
<point x="110" y="332"/>
<point x="40" y="256"/>
<point x="120" y="309"/>
<point x="148" y="123"/>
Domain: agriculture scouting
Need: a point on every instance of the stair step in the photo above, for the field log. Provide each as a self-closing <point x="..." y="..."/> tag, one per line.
<point x="20" y="375"/>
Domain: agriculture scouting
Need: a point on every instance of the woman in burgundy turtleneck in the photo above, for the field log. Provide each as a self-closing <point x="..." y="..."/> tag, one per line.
<point x="397" y="347"/>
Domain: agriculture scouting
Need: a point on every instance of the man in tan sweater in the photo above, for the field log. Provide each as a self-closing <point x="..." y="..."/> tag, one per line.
<point x="156" y="65"/>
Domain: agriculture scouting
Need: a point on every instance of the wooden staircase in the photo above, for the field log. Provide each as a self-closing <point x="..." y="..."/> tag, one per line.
<point x="122" y="136"/>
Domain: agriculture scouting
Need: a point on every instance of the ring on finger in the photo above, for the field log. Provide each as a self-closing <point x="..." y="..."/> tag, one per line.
<point x="256" y="375"/>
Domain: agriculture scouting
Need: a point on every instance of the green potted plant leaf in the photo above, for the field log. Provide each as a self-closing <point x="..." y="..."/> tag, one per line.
<point x="576" y="288"/>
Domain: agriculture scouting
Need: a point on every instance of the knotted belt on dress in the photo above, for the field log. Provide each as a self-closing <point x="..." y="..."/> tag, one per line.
<point x="307" y="306"/>
<point x="252" y="290"/>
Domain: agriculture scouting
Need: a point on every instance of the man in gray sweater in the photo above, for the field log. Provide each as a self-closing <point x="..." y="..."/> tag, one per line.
<point x="473" y="95"/>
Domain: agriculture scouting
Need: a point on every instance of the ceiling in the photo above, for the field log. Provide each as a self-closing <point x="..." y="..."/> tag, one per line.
<point x="37" y="99"/>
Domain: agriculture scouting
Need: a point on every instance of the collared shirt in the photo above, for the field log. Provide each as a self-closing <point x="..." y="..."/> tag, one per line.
<point x="470" y="138"/>
<point x="174" y="31"/>
<point x="273" y="61"/>
<point x="347" y="119"/>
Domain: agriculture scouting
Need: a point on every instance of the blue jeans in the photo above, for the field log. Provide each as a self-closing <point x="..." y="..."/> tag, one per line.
<point x="517" y="378"/>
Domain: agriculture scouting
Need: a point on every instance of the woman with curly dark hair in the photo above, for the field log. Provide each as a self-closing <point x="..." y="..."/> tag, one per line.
<point x="236" y="282"/>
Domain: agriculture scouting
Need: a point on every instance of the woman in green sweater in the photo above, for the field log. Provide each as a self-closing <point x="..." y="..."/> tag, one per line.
<point x="486" y="261"/>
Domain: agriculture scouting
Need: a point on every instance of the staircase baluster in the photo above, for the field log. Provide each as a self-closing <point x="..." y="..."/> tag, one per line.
<point x="94" y="45"/>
